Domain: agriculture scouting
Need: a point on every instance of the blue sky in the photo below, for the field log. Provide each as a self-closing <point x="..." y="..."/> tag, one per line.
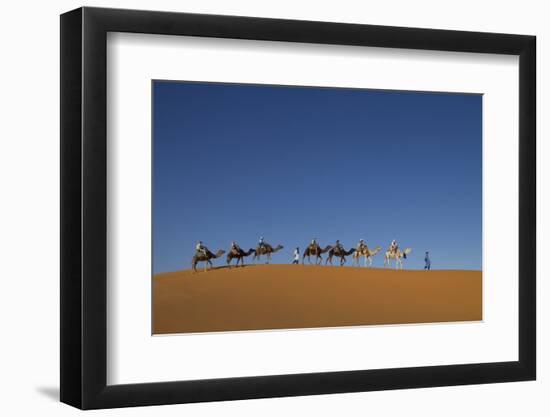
<point x="236" y="161"/>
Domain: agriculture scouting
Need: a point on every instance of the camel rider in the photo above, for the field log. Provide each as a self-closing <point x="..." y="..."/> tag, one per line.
<point x="393" y="247"/>
<point x="339" y="246"/>
<point x="313" y="244"/>
<point x="201" y="249"/>
<point x="235" y="248"/>
<point x="361" y="245"/>
<point x="261" y="242"/>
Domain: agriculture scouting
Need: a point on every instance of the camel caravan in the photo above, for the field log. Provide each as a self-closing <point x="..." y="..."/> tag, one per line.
<point x="203" y="254"/>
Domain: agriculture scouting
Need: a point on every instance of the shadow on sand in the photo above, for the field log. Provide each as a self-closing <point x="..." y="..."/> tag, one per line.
<point x="216" y="268"/>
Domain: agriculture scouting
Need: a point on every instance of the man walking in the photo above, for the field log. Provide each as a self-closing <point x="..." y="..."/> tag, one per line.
<point x="296" y="260"/>
<point x="427" y="261"/>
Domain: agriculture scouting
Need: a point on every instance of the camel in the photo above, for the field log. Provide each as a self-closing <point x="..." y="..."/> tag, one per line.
<point x="267" y="250"/>
<point x="339" y="254"/>
<point x="240" y="256"/>
<point x="367" y="253"/>
<point x="398" y="256"/>
<point x="315" y="249"/>
<point x="201" y="257"/>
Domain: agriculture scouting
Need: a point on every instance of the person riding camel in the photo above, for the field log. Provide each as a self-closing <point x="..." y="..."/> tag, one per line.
<point x="261" y="242"/>
<point x="313" y="245"/>
<point x="235" y="248"/>
<point x="393" y="247"/>
<point x="339" y="246"/>
<point x="361" y="246"/>
<point x="201" y="249"/>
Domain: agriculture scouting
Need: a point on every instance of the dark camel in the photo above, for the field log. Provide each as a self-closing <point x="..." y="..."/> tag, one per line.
<point x="267" y="250"/>
<point x="314" y="249"/>
<point x="239" y="255"/>
<point x="339" y="253"/>
<point x="201" y="257"/>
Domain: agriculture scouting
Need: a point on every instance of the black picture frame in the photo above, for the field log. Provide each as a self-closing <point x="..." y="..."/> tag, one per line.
<point x="84" y="208"/>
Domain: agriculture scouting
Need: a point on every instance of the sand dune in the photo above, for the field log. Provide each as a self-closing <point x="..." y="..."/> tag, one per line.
<point x="297" y="296"/>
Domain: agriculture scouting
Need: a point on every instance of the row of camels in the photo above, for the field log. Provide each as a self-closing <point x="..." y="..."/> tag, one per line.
<point x="311" y="250"/>
<point x="368" y="254"/>
<point x="265" y="249"/>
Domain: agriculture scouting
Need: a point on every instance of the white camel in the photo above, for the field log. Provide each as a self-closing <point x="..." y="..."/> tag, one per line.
<point x="398" y="256"/>
<point x="367" y="253"/>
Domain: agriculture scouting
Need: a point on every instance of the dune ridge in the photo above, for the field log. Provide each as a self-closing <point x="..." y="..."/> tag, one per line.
<point x="262" y="297"/>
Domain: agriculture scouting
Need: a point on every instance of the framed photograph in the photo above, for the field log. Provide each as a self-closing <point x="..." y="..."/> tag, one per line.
<point x="257" y="208"/>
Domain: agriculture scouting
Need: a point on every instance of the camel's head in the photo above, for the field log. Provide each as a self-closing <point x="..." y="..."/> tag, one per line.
<point x="406" y="252"/>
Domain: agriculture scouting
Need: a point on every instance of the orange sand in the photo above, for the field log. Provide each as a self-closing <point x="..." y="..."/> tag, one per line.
<point x="297" y="296"/>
